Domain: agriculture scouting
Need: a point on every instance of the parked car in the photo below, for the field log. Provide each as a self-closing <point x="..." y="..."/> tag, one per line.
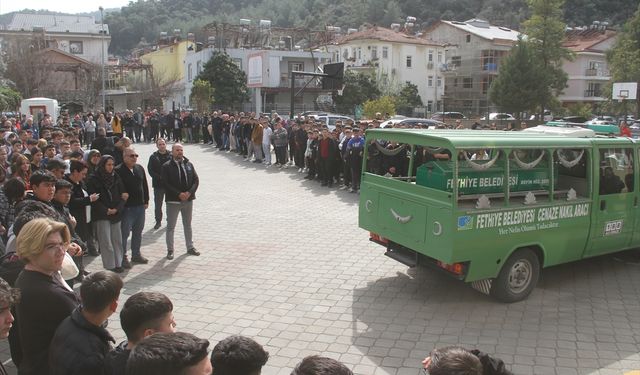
<point x="331" y="119"/>
<point x="499" y="117"/>
<point x="431" y="123"/>
<point x="441" y="116"/>
<point x="605" y="119"/>
<point x="546" y="116"/>
<point x="576" y="119"/>
<point x="393" y="120"/>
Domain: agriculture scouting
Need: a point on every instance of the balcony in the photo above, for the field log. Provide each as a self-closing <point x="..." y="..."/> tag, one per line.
<point x="285" y="81"/>
<point x="596" y="73"/>
<point x="490" y="68"/>
<point x="593" y="93"/>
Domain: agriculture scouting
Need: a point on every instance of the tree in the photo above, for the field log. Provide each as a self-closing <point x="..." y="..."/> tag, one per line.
<point x="545" y="34"/>
<point x="407" y="99"/>
<point x="624" y="57"/>
<point x="9" y="99"/>
<point x="202" y="95"/>
<point x="385" y="104"/>
<point x="358" y="88"/>
<point x="226" y="79"/>
<point x="520" y="81"/>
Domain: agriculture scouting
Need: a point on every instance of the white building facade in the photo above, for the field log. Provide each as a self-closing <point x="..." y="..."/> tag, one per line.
<point x="474" y="54"/>
<point x="394" y="58"/>
<point x="80" y="36"/>
<point x="268" y="77"/>
<point x="588" y="73"/>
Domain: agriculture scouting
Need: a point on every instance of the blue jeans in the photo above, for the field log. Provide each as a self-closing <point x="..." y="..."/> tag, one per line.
<point x="132" y="222"/>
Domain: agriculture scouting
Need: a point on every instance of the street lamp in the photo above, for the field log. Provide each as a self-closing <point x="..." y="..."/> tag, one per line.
<point x="104" y="105"/>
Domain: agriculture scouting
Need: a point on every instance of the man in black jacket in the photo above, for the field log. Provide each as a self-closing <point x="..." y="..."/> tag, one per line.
<point x="156" y="161"/>
<point x="144" y="314"/>
<point x="180" y="183"/>
<point x="135" y="184"/>
<point x="81" y="343"/>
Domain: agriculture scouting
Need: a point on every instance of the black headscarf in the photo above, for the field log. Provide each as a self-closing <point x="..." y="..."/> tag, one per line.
<point x="107" y="178"/>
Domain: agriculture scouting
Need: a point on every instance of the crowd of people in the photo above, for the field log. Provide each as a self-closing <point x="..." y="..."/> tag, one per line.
<point x="74" y="188"/>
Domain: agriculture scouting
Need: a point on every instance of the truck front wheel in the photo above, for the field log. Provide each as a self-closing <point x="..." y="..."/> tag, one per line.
<point x="517" y="278"/>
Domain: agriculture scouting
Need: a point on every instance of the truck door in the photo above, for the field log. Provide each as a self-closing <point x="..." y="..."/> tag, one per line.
<point x="615" y="201"/>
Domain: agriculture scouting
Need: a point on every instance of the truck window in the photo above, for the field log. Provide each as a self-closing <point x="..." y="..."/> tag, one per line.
<point x="572" y="173"/>
<point x="389" y="159"/>
<point x="529" y="176"/>
<point x="616" y="171"/>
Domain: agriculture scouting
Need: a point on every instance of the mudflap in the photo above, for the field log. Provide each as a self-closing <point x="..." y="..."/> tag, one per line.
<point x="482" y="286"/>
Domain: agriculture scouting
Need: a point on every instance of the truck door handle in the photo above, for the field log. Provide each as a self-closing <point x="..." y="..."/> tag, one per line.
<point x="603" y="205"/>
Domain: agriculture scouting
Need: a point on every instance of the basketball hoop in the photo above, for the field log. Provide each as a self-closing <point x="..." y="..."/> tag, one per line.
<point x="622" y="95"/>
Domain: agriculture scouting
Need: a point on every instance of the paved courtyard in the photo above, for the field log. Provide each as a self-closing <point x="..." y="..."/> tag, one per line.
<point x="283" y="261"/>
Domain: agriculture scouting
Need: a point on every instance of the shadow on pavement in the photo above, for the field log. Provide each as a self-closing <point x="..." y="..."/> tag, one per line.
<point x="584" y="307"/>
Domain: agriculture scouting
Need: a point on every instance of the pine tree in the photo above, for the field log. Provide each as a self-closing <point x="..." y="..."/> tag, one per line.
<point x="227" y="81"/>
<point x="545" y="34"/>
<point x="520" y="81"/>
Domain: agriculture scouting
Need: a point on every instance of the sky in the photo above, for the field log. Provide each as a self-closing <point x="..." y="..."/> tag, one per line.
<point x="65" y="6"/>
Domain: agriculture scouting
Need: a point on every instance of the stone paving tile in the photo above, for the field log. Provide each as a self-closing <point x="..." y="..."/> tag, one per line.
<point x="283" y="261"/>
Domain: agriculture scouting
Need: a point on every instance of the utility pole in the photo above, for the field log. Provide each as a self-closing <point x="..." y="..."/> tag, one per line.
<point x="104" y="100"/>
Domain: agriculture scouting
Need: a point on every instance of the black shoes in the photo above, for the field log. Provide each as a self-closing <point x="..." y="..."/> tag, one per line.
<point x="139" y="259"/>
<point x="169" y="255"/>
<point x="157" y="226"/>
<point x="125" y="263"/>
<point x="118" y="270"/>
<point x="193" y="251"/>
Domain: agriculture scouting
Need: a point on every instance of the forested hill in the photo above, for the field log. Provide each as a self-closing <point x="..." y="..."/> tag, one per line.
<point x="146" y="19"/>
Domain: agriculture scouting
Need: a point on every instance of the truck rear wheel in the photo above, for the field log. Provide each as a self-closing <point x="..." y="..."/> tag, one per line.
<point x="517" y="278"/>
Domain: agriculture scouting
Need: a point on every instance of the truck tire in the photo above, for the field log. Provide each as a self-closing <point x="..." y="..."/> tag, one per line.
<point x="517" y="278"/>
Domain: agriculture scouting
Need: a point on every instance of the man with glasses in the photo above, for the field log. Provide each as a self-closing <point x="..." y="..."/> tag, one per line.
<point x="134" y="180"/>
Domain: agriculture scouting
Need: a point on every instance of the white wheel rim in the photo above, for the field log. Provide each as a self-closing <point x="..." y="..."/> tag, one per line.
<point x="520" y="275"/>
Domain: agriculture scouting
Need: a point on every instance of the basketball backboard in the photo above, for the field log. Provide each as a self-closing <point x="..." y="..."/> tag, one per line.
<point x="625" y="91"/>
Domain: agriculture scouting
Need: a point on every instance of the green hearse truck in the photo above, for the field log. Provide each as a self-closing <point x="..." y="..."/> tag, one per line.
<point x="492" y="208"/>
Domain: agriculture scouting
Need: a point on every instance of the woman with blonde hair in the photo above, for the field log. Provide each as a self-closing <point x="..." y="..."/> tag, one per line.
<point x="46" y="300"/>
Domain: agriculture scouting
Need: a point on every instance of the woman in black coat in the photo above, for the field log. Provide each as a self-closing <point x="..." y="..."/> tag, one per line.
<point x="107" y="212"/>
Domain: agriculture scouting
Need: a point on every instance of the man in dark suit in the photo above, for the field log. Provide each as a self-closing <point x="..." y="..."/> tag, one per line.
<point x="135" y="184"/>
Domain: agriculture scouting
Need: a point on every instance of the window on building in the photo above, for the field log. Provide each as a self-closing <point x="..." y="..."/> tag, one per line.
<point x="594" y="90"/>
<point x="353" y="52"/>
<point x="486" y="84"/>
<point x="238" y="63"/>
<point x="440" y="57"/>
<point x="111" y="80"/>
<point x="374" y="53"/>
<point x="359" y="53"/>
<point x="198" y="67"/>
<point x="430" y="106"/>
<point x="408" y="61"/>
<point x="489" y="60"/>
<point x="76" y="47"/>
<point x="468" y="38"/>
<point x="467" y="83"/>
<point x="430" y="81"/>
<point x="190" y="72"/>
<point x="455" y="82"/>
<point x="430" y="56"/>
<point x="385" y="52"/>
<point x="296" y="66"/>
<point x="345" y="54"/>
<point x="439" y="81"/>
<point x="456" y="61"/>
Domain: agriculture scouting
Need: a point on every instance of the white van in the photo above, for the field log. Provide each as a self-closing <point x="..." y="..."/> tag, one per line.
<point x="38" y="107"/>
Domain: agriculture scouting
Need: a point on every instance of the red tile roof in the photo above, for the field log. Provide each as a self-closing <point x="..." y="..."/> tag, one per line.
<point x="385" y="35"/>
<point x="585" y="40"/>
